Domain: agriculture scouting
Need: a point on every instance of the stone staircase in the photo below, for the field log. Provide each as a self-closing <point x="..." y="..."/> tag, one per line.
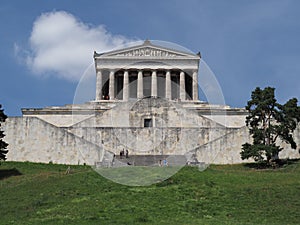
<point x="149" y="160"/>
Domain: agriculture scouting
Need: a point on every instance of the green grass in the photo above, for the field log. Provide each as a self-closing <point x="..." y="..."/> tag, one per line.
<point x="231" y="194"/>
<point x="138" y="175"/>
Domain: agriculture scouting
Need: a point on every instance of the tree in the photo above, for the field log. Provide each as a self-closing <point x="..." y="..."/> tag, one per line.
<point x="3" y="144"/>
<point x="267" y="121"/>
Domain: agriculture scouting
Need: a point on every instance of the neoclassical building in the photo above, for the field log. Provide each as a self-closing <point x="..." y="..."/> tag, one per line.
<point x="147" y="70"/>
<point x="147" y="103"/>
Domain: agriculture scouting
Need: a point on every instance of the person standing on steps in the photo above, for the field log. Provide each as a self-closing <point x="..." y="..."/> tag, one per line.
<point x="121" y="154"/>
<point x="160" y="163"/>
<point x="165" y="162"/>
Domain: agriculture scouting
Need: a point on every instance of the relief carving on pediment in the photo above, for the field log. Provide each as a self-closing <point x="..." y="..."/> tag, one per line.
<point x="148" y="52"/>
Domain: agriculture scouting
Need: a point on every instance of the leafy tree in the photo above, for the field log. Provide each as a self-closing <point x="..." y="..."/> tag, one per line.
<point x="3" y="145"/>
<point x="267" y="121"/>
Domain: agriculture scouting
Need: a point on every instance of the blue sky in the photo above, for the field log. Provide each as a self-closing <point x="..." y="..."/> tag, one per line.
<point x="245" y="43"/>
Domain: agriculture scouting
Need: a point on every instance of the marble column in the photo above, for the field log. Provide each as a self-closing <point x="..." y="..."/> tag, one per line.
<point x="154" y="84"/>
<point x="195" y="85"/>
<point x="99" y="85"/>
<point x="140" y="88"/>
<point x="168" y="85"/>
<point x="111" y="85"/>
<point x="125" y="86"/>
<point x="182" y="86"/>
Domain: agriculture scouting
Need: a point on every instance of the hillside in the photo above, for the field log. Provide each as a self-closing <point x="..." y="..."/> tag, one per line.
<point x="34" y="193"/>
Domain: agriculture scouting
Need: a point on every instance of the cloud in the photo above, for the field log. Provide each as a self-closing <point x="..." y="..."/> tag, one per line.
<point x="62" y="45"/>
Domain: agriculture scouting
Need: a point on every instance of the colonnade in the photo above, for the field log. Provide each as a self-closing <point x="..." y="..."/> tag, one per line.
<point x="140" y="88"/>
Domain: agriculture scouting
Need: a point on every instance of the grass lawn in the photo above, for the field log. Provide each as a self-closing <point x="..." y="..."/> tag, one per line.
<point x="33" y="193"/>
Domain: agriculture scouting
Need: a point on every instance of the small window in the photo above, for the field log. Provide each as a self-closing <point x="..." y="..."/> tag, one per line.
<point x="147" y="122"/>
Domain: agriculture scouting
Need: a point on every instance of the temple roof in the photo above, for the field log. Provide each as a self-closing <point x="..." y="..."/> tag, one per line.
<point x="149" y="49"/>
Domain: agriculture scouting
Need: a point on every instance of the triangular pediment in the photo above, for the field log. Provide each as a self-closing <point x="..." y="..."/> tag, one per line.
<point x="147" y="50"/>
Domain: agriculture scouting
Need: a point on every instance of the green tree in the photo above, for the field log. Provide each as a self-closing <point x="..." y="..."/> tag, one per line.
<point x="267" y="121"/>
<point x="3" y="144"/>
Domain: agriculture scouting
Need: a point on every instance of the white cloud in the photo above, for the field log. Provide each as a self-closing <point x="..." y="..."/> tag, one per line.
<point x="62" y="45"/>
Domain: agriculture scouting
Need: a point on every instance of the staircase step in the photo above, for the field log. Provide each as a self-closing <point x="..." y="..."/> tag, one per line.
<point x="150" y="160"/>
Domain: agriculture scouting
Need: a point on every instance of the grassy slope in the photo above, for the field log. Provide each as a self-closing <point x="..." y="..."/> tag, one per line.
<point x="43" y="194"/>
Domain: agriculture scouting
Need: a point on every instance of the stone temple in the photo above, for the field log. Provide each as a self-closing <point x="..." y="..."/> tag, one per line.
<point x="147" y="103"/>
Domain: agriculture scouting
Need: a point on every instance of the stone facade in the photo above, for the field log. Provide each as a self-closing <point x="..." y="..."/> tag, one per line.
<point x="146" y="102"/>
<point x="209" y="138"/>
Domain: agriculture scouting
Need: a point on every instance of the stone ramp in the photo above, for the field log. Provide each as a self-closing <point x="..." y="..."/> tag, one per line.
<point x="149" y="160"/>
<point x="35" y="140"/>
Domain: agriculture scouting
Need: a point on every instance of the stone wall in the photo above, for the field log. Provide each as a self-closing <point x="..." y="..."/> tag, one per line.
<point x="164" y="114"/>
<point x="140" y="141"/>
<point x="32" y="139"/>
<point x="61" y="120"/>
<point x="226" y="149"/>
